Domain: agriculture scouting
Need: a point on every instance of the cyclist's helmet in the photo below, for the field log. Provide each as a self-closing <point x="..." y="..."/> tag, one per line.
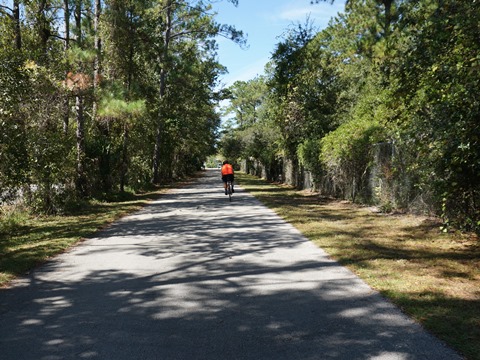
<point x="225" y="162"/>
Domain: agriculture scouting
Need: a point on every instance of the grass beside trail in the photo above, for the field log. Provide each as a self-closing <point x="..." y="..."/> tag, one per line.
<point x="433" y="277"/>
<point x="31" y="240"/>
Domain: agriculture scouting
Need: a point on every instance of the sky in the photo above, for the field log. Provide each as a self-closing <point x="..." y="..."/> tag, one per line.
<point x="264" y="22"/>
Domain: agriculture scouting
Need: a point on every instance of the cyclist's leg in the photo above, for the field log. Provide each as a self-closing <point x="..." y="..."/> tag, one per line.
<point x="224" y="179"/>
<point x="233" y="180"/>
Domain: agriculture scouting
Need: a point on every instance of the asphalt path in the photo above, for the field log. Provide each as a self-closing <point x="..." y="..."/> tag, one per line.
<point x="192" y="276"/>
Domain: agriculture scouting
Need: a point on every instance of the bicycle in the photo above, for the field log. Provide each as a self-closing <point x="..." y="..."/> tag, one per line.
<point x="229" y="190"/>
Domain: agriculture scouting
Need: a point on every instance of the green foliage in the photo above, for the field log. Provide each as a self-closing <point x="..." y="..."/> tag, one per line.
<point x="13" y="87"/>
<point x="78" y="119"/>
<point x="439" y="80"/>
<point x="212" y="161"/>
<point x="231" y="146"/>
<point x="308" y="154"/>
<point x="346" y="155"/>
<point x="385" y="74"/>
<point x="245" y="101"/>
<point x="252" y="134"/>
<point x="142" y="107"/>
<point x="119" y="108"/>
<point x="260" y="142"/>
<point x="347" y="152"/>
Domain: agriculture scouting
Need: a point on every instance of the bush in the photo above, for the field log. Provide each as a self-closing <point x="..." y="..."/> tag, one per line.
<point x="308" y="154"/>
<point x="346" y="154"/>
<point x="12" y="217"/>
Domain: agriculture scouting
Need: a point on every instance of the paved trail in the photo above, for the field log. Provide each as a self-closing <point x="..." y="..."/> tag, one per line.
<point x="192" y="276"/>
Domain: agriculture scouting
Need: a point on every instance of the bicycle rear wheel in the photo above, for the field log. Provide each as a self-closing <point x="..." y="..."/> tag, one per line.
<point x="229" y="190"/>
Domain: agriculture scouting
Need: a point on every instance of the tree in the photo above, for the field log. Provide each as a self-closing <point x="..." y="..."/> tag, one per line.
<point x="438" y="80"/>
<point x="80" y="85"/>
<point x="105" y="55"/>
<point x="179" y="20"/>
<point x="252" y="133"/>
<point x="13" y="16"/>
<point x="13" y="128"/>
<point x="245" y="100"/>
<point x="289" y="60"/>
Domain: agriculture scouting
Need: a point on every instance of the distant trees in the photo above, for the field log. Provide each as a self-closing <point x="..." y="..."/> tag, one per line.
<point x="380" y="107"/>
<point x="97" y="96"/>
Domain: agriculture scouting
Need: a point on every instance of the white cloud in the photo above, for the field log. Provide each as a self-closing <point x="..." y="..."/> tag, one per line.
<point x="295" y="12"/>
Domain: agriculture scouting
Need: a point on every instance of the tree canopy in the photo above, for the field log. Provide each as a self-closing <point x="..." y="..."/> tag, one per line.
<point x="380" y="107"/>
<point x="97" y="96"/>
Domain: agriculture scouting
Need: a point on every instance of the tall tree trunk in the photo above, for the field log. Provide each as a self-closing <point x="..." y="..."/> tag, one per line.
<point x="388" y="25"/>
<point x="163" y="84"/>
<point x="43" y="27"/>
<point x="388" y="18"/>
<point x="66" y="101"/>
<point x="124" y="165"/>
<point x="16" y="19"/>
<point x="386" y="66"/>
<point x="78" y="21"/>
<point x="81" y="183"/>
<point x="81" y="175"/>
<point x="98" y="49"/>
<point x="102" y="125"/>
<point x="130" y="70"/>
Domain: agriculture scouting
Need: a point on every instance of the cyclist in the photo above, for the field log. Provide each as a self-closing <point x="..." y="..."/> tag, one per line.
<point x="227" y="175"/>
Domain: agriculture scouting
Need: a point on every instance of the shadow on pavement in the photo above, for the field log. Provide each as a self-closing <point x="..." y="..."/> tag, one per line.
<point x="192" y="276"/>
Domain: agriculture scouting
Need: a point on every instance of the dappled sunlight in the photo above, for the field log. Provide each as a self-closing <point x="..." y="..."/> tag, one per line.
<point x="193" y="276"/>
<point x="203" y="315"/>
<point x="405" y="257"/>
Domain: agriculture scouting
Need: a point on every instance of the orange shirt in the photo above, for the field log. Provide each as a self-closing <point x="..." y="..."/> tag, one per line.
<point x="227" y="169"/>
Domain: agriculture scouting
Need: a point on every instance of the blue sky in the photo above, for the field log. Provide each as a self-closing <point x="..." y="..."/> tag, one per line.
<point x="264" y="21"/>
